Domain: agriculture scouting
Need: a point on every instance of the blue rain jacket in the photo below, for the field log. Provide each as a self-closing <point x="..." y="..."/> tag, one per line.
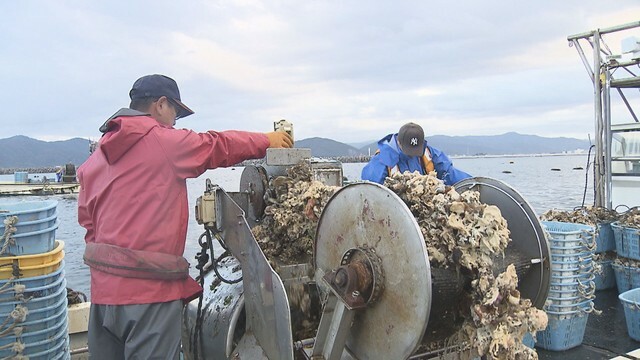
<point x="390" y="155"/>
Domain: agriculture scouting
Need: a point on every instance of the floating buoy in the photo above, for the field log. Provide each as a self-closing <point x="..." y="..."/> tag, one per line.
<point x="555" y="169"/>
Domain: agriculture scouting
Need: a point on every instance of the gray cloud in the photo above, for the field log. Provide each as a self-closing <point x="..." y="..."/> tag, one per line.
<point x="348" y="70"/>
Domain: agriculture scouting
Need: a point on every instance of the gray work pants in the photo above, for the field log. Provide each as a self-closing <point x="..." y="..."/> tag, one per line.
<point x="132" y="332"/>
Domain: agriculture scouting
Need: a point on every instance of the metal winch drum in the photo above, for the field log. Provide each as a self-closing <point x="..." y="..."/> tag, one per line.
<point x="371" y="266"/>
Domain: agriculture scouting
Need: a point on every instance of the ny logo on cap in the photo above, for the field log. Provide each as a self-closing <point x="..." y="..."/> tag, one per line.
<point x="414" y="141"/>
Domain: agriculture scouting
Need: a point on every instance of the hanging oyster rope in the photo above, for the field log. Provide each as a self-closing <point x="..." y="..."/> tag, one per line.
<point x="459" y="230"/>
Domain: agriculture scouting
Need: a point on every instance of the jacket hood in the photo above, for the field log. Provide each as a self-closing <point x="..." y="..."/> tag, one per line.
<point x="122" y="131"/>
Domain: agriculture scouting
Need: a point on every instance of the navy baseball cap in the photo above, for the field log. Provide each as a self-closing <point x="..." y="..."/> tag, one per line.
<point x="156" y="86"/>
<point x="411" y="139"/>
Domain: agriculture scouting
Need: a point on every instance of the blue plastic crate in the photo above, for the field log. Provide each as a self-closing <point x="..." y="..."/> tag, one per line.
<point x="37" y="336"/>
<point x="35" y="242"/>
<point x="28" y="210"/>
<point x="631" y="303"/>
<point x="528" y="340"/>
<point x="605" y="241"/>
<point x="580" y="304"/>
<point x="563" y="332"/>
<point x="55" y="343"/>
<point x="606" y="279"/>
<point x="627" y="277"/>
<point x="42" y="313"/>
<point x="563" y="231"/>
<point x="32" y="225"/>
<point x="46" y="323"/>
<point x="627" y="241"/>
<point x="37" y="302"/>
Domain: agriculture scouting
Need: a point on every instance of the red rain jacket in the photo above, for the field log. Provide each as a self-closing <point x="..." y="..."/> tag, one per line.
<point x="133" y="194"/>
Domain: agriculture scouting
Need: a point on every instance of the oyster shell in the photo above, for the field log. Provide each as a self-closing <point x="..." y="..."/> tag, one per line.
<point x="630" y="218"/>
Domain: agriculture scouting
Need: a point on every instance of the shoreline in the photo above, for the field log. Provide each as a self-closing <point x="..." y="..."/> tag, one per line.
<point x="343" y="159"/>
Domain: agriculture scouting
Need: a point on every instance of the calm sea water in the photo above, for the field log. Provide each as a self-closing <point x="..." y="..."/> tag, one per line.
<point x="544" y="181"/>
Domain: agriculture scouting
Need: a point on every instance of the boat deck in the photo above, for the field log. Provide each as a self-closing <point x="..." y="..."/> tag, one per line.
<point x="606" y="335"/>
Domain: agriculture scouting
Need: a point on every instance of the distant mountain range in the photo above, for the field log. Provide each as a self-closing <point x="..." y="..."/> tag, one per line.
<point x="506" y="144"/>
<point x="24" y="152"/>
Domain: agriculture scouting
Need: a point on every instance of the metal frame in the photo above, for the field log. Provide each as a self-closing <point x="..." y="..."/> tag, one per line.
<point x="266" y="304"/>
<point x="601" y="71"/>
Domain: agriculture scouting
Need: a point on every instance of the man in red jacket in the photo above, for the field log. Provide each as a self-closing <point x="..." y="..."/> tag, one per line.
<point x="133" y="204"/>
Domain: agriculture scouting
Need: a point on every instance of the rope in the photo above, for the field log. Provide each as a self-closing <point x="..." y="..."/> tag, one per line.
<point x="216" y="261"/>
<point x="17" y="331"/>
<point x="9" y="230"/>
<point x="17" y="347"/>
<point x="203" y="258"/>
<point x="4" y="288"/>
<point x="18" y="315"/>
<point x="586" y="178"/>
<point x="17" y="356"/>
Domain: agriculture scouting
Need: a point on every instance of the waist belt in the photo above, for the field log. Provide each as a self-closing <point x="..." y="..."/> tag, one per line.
<point x="140" y="264"/>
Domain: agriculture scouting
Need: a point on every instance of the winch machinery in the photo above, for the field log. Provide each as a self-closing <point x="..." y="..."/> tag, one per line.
<point x="370" y="276"/>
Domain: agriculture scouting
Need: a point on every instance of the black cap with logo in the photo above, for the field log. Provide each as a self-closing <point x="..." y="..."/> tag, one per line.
<point x="411" y="139"/>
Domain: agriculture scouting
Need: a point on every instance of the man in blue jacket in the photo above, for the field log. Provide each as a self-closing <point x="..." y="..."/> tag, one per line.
<point x="408" y="151"/>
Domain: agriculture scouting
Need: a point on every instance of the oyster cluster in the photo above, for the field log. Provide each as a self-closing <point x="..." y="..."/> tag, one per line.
<point x="458" y="229"/>
<point x="594" y="215"/>
<point x="288" y="230"/>
<point x="500" y="318"/>
<point x="584" y="215"/>
<point x="630" y="218"/>
<point x="464" y="233"/>
<point x="628" y="263"/>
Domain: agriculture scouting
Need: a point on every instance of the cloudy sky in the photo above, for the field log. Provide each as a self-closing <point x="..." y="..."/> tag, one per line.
<point x="349" y="70"/>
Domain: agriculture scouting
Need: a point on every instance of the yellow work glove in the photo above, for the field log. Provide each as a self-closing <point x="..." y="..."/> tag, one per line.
<point x="279" y="139"/>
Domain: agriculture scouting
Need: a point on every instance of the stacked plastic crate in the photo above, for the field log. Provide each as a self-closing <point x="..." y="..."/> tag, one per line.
<point x="33" y="292"/>
<point x="572" y="290"/>
<point x="605" y="255"/>
<point x="627" y="265"/>
<point x="627" y="269"/>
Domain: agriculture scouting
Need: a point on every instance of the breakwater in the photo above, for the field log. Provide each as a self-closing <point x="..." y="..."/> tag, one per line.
<point x="38" y="170"/>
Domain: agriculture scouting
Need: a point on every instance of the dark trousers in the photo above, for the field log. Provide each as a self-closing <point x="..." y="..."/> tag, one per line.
<point x="145" y="332"/>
